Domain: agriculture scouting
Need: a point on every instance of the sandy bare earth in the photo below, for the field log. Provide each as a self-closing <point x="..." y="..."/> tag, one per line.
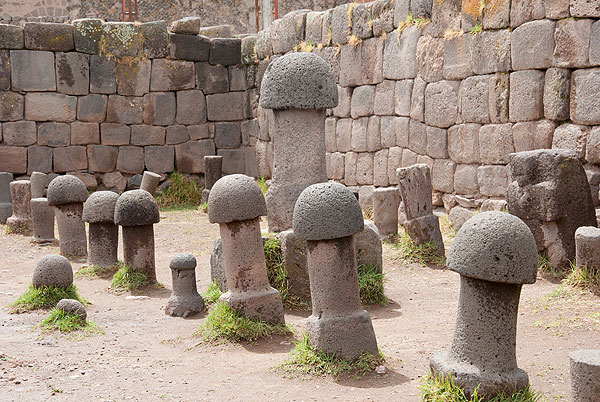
<point x="145" y="355"/>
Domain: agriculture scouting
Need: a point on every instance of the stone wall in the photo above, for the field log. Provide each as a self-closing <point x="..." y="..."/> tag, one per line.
<point x="107" y="100"/>
<point x="455" y="84"/>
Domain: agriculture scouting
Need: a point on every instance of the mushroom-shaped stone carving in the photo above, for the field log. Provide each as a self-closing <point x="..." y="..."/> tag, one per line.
<point x="495" y="254"/>
<point x="42" y="215"/>
<point x="53" y="270"/>
<point x="184" y="300"/>
<point x="327" y="216"/>
<point x="150" y="182"/>
<point x="236" y="204"/>
<point x="99" y="212"/>
<point x="72" y="306"/>
<point x="213" y="170"/>
<point x="298" y="87"/>
<point x="67" y="194"/>
<point x="5" y="199"/>
<point x="20" y="221"/>
<point x="585" y="376"/>
<point x="137" y="211"/>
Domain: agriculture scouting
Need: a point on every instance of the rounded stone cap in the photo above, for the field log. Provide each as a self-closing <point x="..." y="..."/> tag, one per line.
<point x="497" y="247"/>
<point x="136" y="208"/>
<point x="298" y="81"/>
<point x="100" y="207"/>
<point x="72" y="306"/>
<point x="53" y="270"/>
<point x="183" y="261"/>
<point x="327" y="211"/>
<point x="235" y="197"/>
<point x="66" y="189"/>
<point x="588" y="357"/>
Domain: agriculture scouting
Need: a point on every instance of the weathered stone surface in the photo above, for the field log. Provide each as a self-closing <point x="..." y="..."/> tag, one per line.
<point x="402" y="97"/>
<point x="459" y="216"/>
<point x="102" y="158"/>
<point x="159" y="159"/>
<point x="522" y="11"/>
<point x="211" y="79"/>
<point x="114" y="134"/>
<point x="235" y="198"/>
<point x="121" y="39"/>
<point x="572" y="137"/>
<point x="350" y="66"/>
<point x="465" y="179"/>
<point x="383" y="16"/>
<point x="458" y="57"/>
<point x="189" y="47"/>
<point x="417" y="138"/>
<point x="189" y="156"/>
<point x="363" y="98"/>
<point x="87" y="33"/>
<point x="238" y="78"/>
<point x="72" y="306"/>
<point x="159" y="108"/>
<point x="53" y="270"/>
<point x="441" y="103"/>
<point x="130" y="160"/>
<point x="114" y="181"/>
<point x="415" y="189"/>
<point x="176" y="134"/>
<point x="249" y="56"/>
<point x="13" y="159"/>
<point x="442" y="175"/>
<point x="557" y="86"/>
<point x="585" y="8"/>
<point x="147" y="135"/>
<point x="430" y="58"/>
<point x="19" y="133"/>
<point x="585" y="104"/>
<point x="491" y="52"/>
<point x="227" y="135"/>
<point x="399" y="58"/>
<point x="437" y="143"/>
<point x="493" y="180"/>
<point x="526" y="100"/>
<point x="531" y="135"/>
<point x="200" y="131"/>
<point x="341" y="24"/>
<point x="72" y="73"/>
<point x="499" y="97"/>
<point x="585" y="369"/>
<point x="594" y="56"/>
<point x="66" y="159"/>
<point x="48" y="36"/>
<point x="12" y="106"/>
<point x="368" y="246"/>
<point x="264" y="47"/>
<point x="102" y="75"/>
<point x="187" y="26"/>
<point x="474" y="93"/>
<point x="494" y="205"/>
<point x="156" y="39"/>
<point x="53" y="134"/>
<point x="362" y="21"/>
<point x="92" y="108"/>
<point x="35" y="158"/>
<point x="124" y="109"/>
<point x="572" y="38"/>
<point x="495" y="143"/>
<point x="384" y="98"/>
<point x="4" y="70"/>
<point x="11" y="37"/>
<point x="133" y="79"/>
<point x="191" y="107"/>
<point x="225" y="51"/>
<point x="185" y="300"/>
<point x="32" y="71"/>
<point x="172" y="75"/>
<point x="50" y="107"/>
<point x="226" y="107"/>
<point x="587" y="241"/>
<point x="532" y="45"/>
<point x="496" y="14"/>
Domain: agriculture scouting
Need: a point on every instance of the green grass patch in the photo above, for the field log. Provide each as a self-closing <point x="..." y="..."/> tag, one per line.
<point x="262" y="183"/>
<point x="204" y="207"/>
<point x="223" y="324"/>
<point x="585" y="278"/>
<point x="419" y="253"/>
<point x="442" y="389"/>
<point x="184" y="193"/>
<point x="212" y="294"/>
<point x="60" y="320"/>
<point x="43" y="297"/>
<point x="546" y="270"/>
<point x="446" y="227"/>
<point x="370" y="284"/>
<point x="126" y="279"/>
<point x="304" y="359"/>
<point x="95" y="271"/>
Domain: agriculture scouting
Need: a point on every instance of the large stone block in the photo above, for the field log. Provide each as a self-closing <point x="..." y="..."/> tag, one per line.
<point x="446" y="17"/>
<point x="409" y="158"/>
<point x="402" y="130"/>
<point x="103" y="79"/>
<point x="474" y="95"/>
<point x="189" y="156"/>
<point x="526" y="100"/>
<point x="362" y="21"/>
<point x="228" y="135"/>
<point x="556" y="9"/>
<point x="156" y="39"/>
<point x="437" y="143"/>
<point x="394" y="162"/>
<point x="572" y="38"/>
<point x="384" y="98"/>
<point x="350" y="67"/>
<point x="227" y="107"/>
<point x="191" y="107"/>
<point x="532" y="45"/>
<point x="522" y="11"/>
<point x="465" y="179"/>
<point x="402" y="97"/>
<point x="441" y="103"/>
<point x="532" y="135"/>
<point x="350" y="168"/>
<point x="48" y="36"/>
<point x="495" y="143"/>
<point x="11" y="37"/>
<point x="189" y="47"/>
<point x="288" y="31"/>
<point x="417" y="137"/>
<point x="19" y="133"/>
<point x="314" y="30"/>
<point x="32" y="71"/>
<point x="372" y="60"/>
<point x="387" y="132"/>
<point x="172" y="75"/>
<point x="585" y="8"/>
<point x="491" y="52"/>
<point x="249" y="50"/>
<point x="159" y="159"/>
<point x="225" y="51"/>
<point x="121" y="39"/>
<point x="400" y="56"/>
<point x="593" y="146"/>
<point x="92" y="108"/>
<point x="337" y="166"/>
<point x="201" y="131"/>
<point x="159" y="108"/>
<point x="383" y="16"/>
<point x="234" y="160"/>
<point x="130" y="160"/>
<point x="147" y="135"/>
<point x="238" y="78"/>
<point x="125" y="110"/>
<point x="133" y="78"/>
<point x="4" y="70"/>
<point x="430" y="58"/>
<point x="343" y="133"/>
<point x="363" y="99"/>
<point x="12" y="106"/>
<point x="458" y="57"/>
<point x="13" y="159"/>
<point x="380" y="168"/>
<point x="212" y="79"/>
<point x="37" y="159"/>
<point x="359" y="134"/>
<point x="101" y="158"/>
<point x="84" y="133"/>
<point x="54" y="134"/>
<point x="66" y="159"/>
<point x="585" y="103"/>
<point x="177" y="134"/>
<point x="463" y="143"/>
<point x="87" y="33"/>
<point x="341" y="24"/>
<point x="499" y="97"/>
<point x="73" y="73"/>
<point x="187" y="26"/>
<point x="492" y="180"/>
<point x="330" y="140"/>
<point x="572" y="137"/>
<point x="557" y="87"/>
<point x="364" y="168"/>
<point x="264" y="46"/>
<point x="50" y="107"/>
<point x="374" y="134"/>
<point x="594" y="56"/>
<point x="442" y="175"/>
<point x="344" y="102"/>
<point x="114" y="134"/>
<point x="496" y="14"/>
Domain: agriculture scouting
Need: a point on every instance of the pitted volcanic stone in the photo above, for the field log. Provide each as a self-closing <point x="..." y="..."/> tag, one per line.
<point x="183" y="261"/>
<point x="53" y="270"/>
<point x="298" y="81"/>
<point x="496" y="247"/>
<point x="100" y="207"/>
<point x="235" y="197"/>
<point x="136" y="208"/>
<point x="66" y="190"/>
<point x="72" y="306"/>
<point x="585" y="375"/>
<point x="327" y="211"/>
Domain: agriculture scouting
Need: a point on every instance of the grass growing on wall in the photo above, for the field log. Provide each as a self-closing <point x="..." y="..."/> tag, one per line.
<point x="184" y="193"/>
<point x="43" y="297"/>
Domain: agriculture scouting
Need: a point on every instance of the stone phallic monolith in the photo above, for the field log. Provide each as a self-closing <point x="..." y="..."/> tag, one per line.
<point x="585" y="376"/>
<point x="5" y="199"/>
<point x="39" y="181"/>
<point x="150" y="181"/>
<point x="587" y="244"/>
<point x="20" y="220"/>
<point x="184" y="300"/>
<point x="137" y="211"/>
<point x="236" y="203"/>
<point x="327" y="216"/>
<point x="67" y="194"/>
<point x="53" y="270"/>
<point x="42" y="215"/>
<point x="414" y="183"/>
<point x="298" y="87"/>
<point x="213" y="170"/>
<point x="386" y="202"/>
<point x="99" y="212"/>
<point x="550" y="192"/>
<point x="495" y="254"/>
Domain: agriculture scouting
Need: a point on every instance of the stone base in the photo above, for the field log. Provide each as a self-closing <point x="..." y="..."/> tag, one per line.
<point x="468" y="376"/>
<point x="425" y="229"/>
<point x="184" y="306"/>
<point x="347" y="336"/>
<point x="264" y="306"/>
<point x="5" y="212"/>
<point x="205" y="194"/>
<point x="19" y="226"/>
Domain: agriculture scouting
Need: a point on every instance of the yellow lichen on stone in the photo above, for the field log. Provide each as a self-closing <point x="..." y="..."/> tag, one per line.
<point x="473" y="7"/>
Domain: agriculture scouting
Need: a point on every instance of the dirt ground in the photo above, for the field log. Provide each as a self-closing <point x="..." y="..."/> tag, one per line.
<point x="145" y="355"/>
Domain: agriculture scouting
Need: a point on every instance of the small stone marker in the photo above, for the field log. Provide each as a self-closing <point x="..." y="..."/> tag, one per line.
<point x="53" y="270"/>
<point x="43" y="221"/>
<point x="5" y="199"/>
<point x="299" y="87"/>
<point x="213" y="170"/>
<point x="495" y="254"/>
<point x="99" y="212"/>
<point x="587" y="248"/>
<point x="236" y="203"/>
<point x="368" y="247"/>
<point x="137" y="211"/>
<point x="67" y="194"/>
<point x="585" y="376"/>
<point x="386" y="202"/>
<point x="20" y="221"/>
<point x="421" y="224"/>
<point x="150" y="182"/>
<point x="72" y="306"/>
<point x="184" y="300"/>
<point x="39" y="181"/>
<point x="327" y="216"/>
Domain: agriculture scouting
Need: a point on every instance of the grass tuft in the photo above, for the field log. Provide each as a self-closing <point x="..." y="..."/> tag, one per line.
<point x="126" y="279"/>
<point x="370" y="284"/>
<point x="204" y="207"/>
<point x="64" y="322"/>
<point x="442" y="389"/>
<point x="354" y="40"/>
<point x="212" y="294"/>
<point x="546" y="269"/>
<point x="262" y="183"/>
<point x="95" y="271"/>
<point x="477" y="29"/>
<point x="223" y="324"/>
<point x="584" y="278"/>
<point x="422" y="253"/>
<point x="43" y="297"/>
<point x="184" y="193"/>
<point x="304" y="359"/>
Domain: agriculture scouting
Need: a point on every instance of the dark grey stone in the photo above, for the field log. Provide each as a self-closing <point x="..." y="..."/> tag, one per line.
<point x="48" y="36"/>
<point x="225" y="51"/>
<point x="32" y="71"/>
<point x="212" y="79"/>
<point x="156" y="39"/>
<point x="136" y="208"/>
<point x="235" y="197"/>
<point x="4" y="70"/>
<point x="87" y="33"/>
<point x="100" y="207"/>
<point x="121" y="39"/>
<point x="187" y="26"/>
<point x="585" y="375"/>
<point x="72" y="306"/>
<point x="213" y="170"/>
<point x="103" y="79"/>
<point x="73" y="73"/>
<point x="217" y="266"/>
<point x="66" y="189"/>
<point x="53" y="270"/>
<point x="189" y="47"/>
<point x="228" y="135"/>
<point x="5" y="199"/>
<point x="11" y="37"/>
<point x="184" y="300"/>
<point x="341" y="25"/>
<point x="248" y="50"/>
